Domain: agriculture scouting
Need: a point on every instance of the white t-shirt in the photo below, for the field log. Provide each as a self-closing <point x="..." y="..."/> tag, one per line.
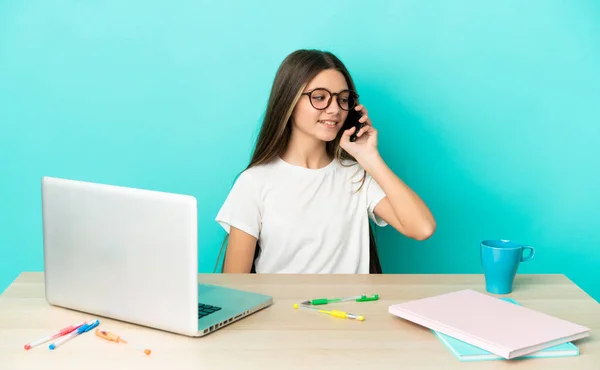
<point x="306" y="220"/>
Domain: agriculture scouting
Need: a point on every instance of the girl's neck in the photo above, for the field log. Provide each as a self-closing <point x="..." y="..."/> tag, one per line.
<point x="306" y="152"/>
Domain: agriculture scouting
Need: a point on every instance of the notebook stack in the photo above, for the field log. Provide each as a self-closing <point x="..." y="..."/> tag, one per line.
<point x="475" y="327"/>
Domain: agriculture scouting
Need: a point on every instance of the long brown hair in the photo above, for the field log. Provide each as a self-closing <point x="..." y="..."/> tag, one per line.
<point x="292" y="76"/>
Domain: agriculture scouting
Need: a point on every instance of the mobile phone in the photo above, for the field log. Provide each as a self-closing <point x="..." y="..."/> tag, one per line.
<point x="352" y="120"/>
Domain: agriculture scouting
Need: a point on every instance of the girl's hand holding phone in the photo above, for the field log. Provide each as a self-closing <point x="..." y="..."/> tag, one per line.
<point x="365" y="145"/>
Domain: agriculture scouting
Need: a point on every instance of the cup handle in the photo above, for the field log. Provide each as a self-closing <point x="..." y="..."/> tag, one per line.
<point x="531" y="253"/>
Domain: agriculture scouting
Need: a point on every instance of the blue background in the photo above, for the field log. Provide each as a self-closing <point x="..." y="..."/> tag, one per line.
<point x="489" y="110"/>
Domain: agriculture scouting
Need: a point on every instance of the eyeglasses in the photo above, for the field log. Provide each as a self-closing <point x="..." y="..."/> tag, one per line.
<point x="321" y="98"/>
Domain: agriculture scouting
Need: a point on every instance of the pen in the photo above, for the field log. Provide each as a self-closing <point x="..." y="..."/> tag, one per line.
<point x="358" y="298"/>
<point x="62" y="332"/>
<point x="82" y="329"/>
<point x="335" y="313"/>
<point x="115" y="338"/>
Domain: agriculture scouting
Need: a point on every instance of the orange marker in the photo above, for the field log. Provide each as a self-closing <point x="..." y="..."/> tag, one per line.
<point x="115" y="338"/>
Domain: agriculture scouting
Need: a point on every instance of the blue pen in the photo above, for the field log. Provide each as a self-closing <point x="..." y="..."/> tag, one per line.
<point x="82" y="329"/>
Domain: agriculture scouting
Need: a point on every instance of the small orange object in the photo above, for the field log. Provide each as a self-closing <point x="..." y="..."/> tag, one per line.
<point x="115" y="338"/>
<point x="109" y="336"/>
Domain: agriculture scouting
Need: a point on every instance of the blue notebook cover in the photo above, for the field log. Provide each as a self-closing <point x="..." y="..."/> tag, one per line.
<point x="467" y="352"/>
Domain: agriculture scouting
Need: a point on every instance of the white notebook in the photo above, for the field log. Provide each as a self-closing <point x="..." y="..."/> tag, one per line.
<point x="500" y="327"/>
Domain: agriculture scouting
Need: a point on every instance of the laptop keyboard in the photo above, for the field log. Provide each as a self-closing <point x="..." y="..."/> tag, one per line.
<point x="205" y="309"/>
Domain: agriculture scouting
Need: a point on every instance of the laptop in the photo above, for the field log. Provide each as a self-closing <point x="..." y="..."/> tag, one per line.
<point x="132" y="255"/>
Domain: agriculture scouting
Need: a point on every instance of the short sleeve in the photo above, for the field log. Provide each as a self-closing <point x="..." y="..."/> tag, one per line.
<point x="374" y="195"/>
<point x="241" y="208"/>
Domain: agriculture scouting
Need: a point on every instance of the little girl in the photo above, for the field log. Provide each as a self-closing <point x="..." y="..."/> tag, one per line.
<point x="304" y="202"/>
